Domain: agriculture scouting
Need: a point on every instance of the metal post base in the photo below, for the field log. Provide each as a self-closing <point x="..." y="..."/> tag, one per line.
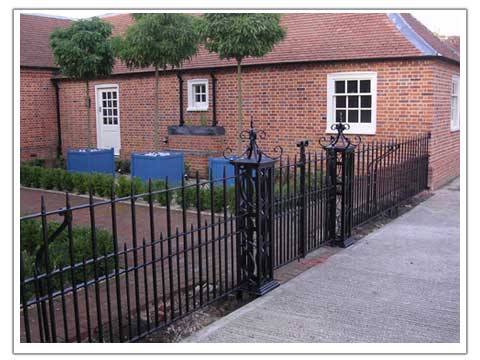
<point x="344" y="243"/>
<point x="262" y="290"/>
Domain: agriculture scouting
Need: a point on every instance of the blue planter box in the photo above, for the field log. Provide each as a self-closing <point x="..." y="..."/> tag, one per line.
<point x="91" y="160"/>
<point x="170" y="164"/>
<point x="216" y="165"/>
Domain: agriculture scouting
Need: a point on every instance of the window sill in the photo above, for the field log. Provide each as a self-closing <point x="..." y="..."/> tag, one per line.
<point x="353" y="131"/>
<point x="194" y="109"/>
<point x="454" y="129"/>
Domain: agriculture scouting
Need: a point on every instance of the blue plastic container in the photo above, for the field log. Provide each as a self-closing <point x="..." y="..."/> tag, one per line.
<point x="158" y="167"/>
<point x="216" y="165"/>
<point x="91" y="160"/>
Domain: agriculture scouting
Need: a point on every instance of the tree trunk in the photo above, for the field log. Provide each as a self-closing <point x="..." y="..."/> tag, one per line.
<point x="239" y="106"/>
<point x="156" y="123"/>
<point x="88" y="104"/>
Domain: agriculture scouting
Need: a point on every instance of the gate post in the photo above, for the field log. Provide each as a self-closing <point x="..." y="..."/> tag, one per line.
<point x="254" y="183"/>
<point x="302" y="231"/>
<point x="339" y="175"/>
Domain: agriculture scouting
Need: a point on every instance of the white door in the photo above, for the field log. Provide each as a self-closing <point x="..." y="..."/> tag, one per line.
<point x="108" y="117"/>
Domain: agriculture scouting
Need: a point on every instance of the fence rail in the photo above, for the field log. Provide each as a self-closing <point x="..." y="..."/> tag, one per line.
<point x="141" y="268"/>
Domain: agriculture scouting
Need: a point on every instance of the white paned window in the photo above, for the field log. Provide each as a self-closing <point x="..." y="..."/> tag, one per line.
<point x="109" y="107"/>
<point x="455" y="105"/>
<point x="352" y="98"/>
<point x="197" y="95"/>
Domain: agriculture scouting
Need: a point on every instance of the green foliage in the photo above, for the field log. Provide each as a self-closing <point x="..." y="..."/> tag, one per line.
<point x="158" y="40"/>
<point x="190" y="197"/>
<point x="139" y="186"/>
<point x="36" y="176"/>
<point x="48" y="179"/>
<point x="68" y="183"/>
<point x="102" y="184"/>
<point x="237" y="36"/>
<point x="83" y="50"/>
<point x="34" y="162"/>
<point x="217" y="198"/>
<point x="31" y="241"/>
<point x="122" y="188"/>
<point x="26" y="178"/>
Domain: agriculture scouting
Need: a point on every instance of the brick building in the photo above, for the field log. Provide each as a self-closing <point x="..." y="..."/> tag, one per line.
<point x="385" y="74"/>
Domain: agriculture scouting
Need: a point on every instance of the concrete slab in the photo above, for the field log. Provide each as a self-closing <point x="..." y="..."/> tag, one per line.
<point x="398" y="284"/>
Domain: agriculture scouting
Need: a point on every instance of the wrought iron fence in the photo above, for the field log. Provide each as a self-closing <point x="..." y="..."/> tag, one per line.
<point x="141" y="267"/>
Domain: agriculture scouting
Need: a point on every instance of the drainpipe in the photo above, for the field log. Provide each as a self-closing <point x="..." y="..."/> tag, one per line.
<point x="180" y="84"/>
<point x="59" y="127"/>
<point x="214" y="99"/>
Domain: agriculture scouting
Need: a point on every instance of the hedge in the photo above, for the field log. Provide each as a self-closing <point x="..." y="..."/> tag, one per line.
<point x="101" y="185"/>
<point x="31" y="241"/>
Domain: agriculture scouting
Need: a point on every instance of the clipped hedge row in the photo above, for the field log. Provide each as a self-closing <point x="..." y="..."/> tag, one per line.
<point x="31" y="241"/>
<point x="101" y="184"/>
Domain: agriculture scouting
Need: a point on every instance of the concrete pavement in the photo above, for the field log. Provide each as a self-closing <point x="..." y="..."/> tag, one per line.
<point x="398" y="284"/>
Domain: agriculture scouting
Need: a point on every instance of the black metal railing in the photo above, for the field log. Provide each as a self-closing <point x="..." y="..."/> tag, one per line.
<point x="118" y="269"/>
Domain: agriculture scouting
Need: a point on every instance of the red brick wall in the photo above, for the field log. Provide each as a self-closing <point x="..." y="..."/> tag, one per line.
<point x="287" y="101"/>
<point x="197" y="150"/>
<point x="445" y="144"/>
<point x="38" y="129"/>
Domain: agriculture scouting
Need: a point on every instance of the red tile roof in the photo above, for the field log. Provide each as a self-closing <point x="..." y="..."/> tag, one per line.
<point x="453" y="42"/>
<point x="34" y="38"/>
<point x="310" y="37"/>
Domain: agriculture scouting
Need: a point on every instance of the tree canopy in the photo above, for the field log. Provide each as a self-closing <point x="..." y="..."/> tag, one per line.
<point x="159" y="40"/>
<point x="83" y="50"/>
<point x="237" y="36"/>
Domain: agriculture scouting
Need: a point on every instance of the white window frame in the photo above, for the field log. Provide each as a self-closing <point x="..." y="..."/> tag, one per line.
<point x="355" y="128"/>
<point x="455" y="122"/>
<point x="192" y="106"/>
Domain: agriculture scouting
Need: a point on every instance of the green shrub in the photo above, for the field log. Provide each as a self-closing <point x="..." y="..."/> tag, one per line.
<point x="47" y="178"/>
<point x="58" y="251"/>
<point x="26" y="175"/>
<point x="160" y="197"/>
<point x="231" y="198"/>
<point x="36" y="174"/>
<point x="81" y="182"/>
<point x="122" y="188"/>
<point x="35" y="162"/>
<point x="139" y="187"/>
<point x="101" y="184"/>
<point x="190" y="197"/>
<point x="217" y="198"/>
<point x="68" y="183"/>
<point x="59" y="178"/>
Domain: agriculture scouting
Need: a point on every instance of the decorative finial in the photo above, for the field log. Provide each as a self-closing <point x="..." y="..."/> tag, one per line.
<point x="253" y="152"/>
<point x="340" y="141"/>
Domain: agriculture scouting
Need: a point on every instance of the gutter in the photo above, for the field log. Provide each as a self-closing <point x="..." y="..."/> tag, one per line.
<point x="57" y="107"/>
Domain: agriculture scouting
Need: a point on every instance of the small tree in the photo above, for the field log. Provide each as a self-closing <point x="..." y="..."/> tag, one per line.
<point x="161" y="41"/>
<point x="84" y="52"/>
<point x="237" y="36"/>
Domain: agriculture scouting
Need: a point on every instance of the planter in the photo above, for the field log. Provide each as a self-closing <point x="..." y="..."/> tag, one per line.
<point x="91" y="161"/>
<point x="216" y="166"/>
<point x="158" y="166"/>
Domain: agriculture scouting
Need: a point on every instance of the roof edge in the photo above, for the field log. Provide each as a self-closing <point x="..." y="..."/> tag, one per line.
<point x="141" y="72"/>
<point x="411" y="35"/>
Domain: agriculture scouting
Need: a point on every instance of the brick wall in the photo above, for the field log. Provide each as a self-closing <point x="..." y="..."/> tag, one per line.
<point x="38" y="129"/>
<point x="445" y="145"/>
<point x="287" y="101"/>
